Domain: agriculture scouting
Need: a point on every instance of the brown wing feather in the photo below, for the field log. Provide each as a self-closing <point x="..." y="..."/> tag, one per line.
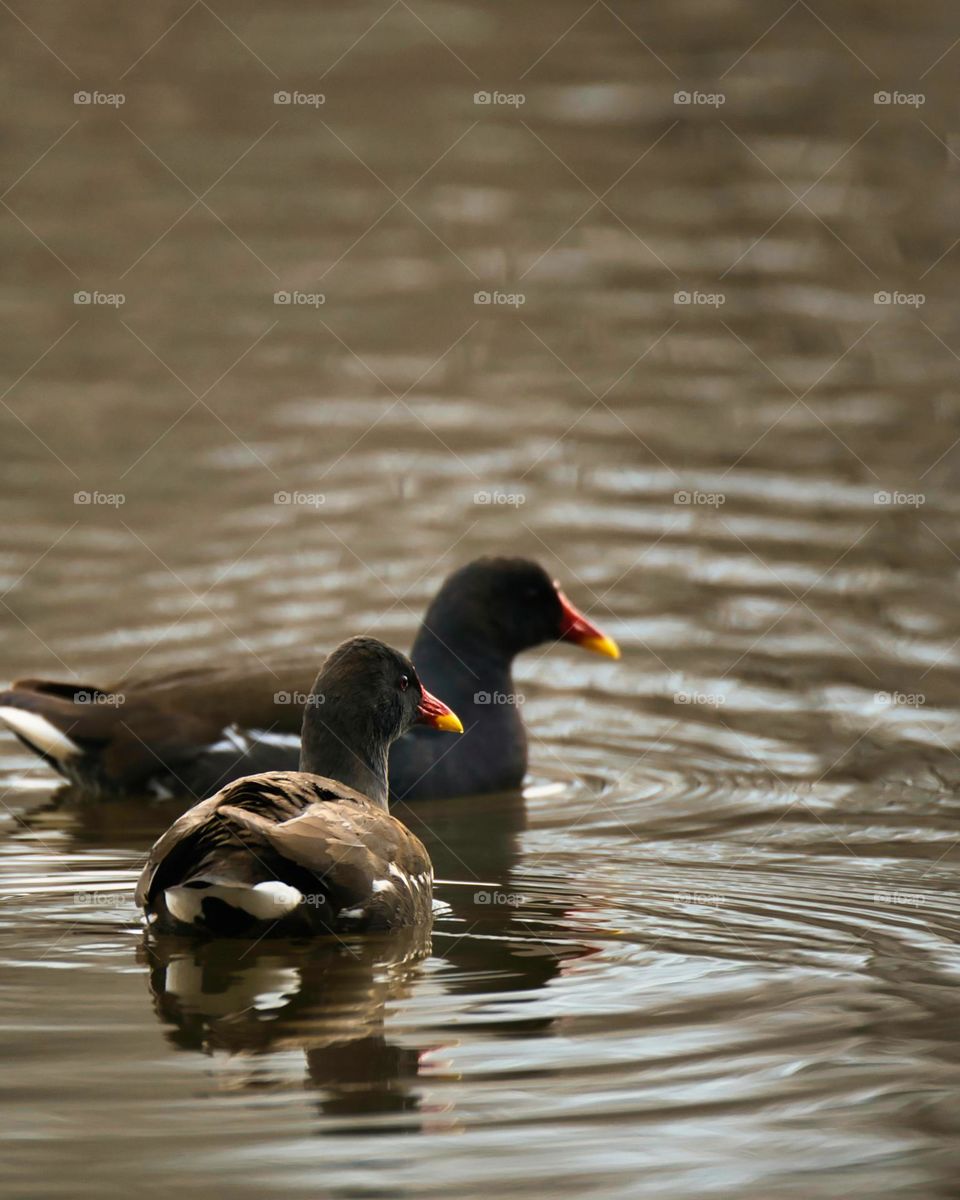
<point x="164" y="719"/>
<point x="221" y="696"/>
<point x="358" y="844"/>
<point x="259" y="804"/>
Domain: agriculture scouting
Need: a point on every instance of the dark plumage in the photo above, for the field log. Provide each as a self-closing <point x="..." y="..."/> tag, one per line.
<point x="294" y="853"/>
<point x="485" y="614"/>
<point x="191" y="731"/>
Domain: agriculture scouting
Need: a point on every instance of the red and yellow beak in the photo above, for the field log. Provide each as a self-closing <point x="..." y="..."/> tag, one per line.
<point x="574" y="627"/>
<point x="434" y="712"/>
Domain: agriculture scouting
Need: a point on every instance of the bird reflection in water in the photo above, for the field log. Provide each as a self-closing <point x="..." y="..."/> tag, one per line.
<point x="326" y="997"/>
<point x="248" y="1006"/>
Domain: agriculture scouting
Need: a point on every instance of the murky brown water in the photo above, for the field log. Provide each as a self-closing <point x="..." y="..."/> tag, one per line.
<point x="714" y="949"/>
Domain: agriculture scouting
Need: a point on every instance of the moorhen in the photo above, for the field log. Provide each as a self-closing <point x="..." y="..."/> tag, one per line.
<point x="314" y="850"/>
<point x="193" y="730"/>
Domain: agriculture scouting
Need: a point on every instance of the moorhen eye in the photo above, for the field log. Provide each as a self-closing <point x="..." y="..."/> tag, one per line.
<point x="404" y="683"/>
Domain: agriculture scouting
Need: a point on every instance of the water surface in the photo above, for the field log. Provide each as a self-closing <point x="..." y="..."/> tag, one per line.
<point x="713" y="949"/>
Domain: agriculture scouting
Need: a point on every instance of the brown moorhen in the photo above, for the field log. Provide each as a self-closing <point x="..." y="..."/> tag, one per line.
<point x="191" y="731"/>
<point x="311" y="851"/>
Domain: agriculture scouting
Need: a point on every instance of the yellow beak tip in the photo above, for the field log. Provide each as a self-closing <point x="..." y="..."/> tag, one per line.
<point x="602" y="645"/>
<point x="449" y="722"/>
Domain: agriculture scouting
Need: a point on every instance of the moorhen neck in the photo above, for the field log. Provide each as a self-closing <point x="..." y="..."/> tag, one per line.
<point x="352" y="716"/>
<point x="300" y="852"/>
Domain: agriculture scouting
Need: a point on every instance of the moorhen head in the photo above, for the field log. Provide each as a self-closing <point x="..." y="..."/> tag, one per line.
<point x="290" y="853"/>
<point x="499" y="607"/>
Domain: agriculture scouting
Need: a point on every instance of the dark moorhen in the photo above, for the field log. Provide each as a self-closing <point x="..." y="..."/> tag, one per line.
<point x="311" y="851"/>
<point x="192" y="731"/>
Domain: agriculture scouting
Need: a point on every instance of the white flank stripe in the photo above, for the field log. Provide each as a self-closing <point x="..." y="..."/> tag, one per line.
<point x="233" y="738"/>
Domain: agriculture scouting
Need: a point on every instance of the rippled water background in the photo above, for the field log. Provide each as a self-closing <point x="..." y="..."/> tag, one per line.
<point x="713" y="949"/>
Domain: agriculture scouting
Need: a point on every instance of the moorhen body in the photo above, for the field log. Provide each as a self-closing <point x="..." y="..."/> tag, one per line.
<point x="311" y="851"/>
<point x="191" y="731"/>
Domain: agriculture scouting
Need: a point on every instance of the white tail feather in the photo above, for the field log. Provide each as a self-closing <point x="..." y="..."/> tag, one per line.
<point x="266" y="901"/>
<point x="42" y="734"/>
